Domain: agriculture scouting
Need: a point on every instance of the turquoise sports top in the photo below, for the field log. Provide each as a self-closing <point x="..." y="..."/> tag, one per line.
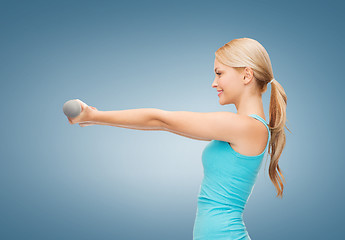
<point x="229" y="178"/>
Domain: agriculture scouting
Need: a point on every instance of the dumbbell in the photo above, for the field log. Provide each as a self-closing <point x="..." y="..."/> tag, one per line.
<point x="72" y="108"/>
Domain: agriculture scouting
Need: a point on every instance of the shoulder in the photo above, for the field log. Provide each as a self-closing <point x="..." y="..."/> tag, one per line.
<point x="255" y="133"/>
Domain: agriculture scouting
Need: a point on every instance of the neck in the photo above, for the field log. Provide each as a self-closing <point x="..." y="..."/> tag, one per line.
<point x="250" y="105"/>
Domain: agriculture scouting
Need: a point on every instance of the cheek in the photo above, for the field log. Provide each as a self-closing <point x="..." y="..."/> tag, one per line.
<point x="233" y="83"/>
<point x="228" y="85"/>
<point x="231" y="88"/>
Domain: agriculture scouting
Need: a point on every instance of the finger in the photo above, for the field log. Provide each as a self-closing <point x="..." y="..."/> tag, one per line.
<point x="83" y="105"/>
<point x="85" y="124"/>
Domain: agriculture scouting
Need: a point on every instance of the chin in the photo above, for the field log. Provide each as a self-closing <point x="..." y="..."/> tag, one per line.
<point x="222" y="102"/>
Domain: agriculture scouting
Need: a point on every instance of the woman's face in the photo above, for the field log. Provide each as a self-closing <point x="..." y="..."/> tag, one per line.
<point x="229" y="81"/>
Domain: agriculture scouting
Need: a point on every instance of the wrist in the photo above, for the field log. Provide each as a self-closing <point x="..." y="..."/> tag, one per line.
<point x="94" y="115"/>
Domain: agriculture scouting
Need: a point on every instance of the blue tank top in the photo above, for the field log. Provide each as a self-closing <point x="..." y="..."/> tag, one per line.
<point x="229" y="178"/>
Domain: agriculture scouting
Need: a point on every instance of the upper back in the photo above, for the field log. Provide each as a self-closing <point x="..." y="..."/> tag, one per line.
<point x="255" y="143"/>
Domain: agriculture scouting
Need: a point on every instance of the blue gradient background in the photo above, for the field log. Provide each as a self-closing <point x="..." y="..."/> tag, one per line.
<point x="62" y="181"/>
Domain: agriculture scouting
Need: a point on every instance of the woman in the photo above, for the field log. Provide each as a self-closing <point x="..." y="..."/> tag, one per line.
<point x="238" y="141"/>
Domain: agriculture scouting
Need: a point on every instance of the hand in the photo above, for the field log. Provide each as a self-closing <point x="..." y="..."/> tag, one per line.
<point x="85" y="116"/>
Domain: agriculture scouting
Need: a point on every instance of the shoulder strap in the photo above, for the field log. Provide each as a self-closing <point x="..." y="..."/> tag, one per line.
<point x="265" y="123"/>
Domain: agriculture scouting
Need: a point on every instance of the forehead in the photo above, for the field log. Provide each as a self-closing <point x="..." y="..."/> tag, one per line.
<point x="216" y="63"/>
<point x="219" y="66"/>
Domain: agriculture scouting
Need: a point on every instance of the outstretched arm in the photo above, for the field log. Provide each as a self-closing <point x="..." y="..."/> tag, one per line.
<point x="147" y="119"/>
<point x="223" y="126"/>
<point x="141" y="119"/>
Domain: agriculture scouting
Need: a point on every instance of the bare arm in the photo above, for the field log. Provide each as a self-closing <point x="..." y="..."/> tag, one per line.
<point x="147" y="119"/>
<point x="142" y="118"/>
<point x="185" y="135"/>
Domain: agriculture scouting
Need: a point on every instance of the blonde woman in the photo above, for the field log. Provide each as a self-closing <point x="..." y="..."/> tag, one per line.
<point x="238" y="141"/>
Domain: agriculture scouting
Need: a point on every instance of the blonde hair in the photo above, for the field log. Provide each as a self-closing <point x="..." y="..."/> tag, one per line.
<point x="246" y="52"/>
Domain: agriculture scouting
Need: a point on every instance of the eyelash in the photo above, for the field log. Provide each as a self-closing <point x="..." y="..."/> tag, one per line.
<point x="218" y="74"/>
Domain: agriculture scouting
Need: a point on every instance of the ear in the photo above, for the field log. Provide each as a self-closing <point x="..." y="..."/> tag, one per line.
<point x="248" y="72"/>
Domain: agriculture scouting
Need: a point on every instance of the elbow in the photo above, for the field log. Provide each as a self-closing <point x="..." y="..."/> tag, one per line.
<point x="161" y="119"/>
<point x="158" y="119"/>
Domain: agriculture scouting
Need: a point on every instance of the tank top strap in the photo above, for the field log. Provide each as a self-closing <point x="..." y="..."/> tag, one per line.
<point x="265" y="123"/>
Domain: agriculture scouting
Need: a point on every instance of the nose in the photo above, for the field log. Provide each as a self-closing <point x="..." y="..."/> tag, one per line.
<point x="214" y="84"/>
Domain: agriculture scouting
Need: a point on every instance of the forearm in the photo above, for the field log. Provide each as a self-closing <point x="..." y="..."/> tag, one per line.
<point x="141" y="119"/>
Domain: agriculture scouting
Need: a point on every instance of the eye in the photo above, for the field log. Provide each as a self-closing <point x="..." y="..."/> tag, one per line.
<point x="218" y="74"/>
